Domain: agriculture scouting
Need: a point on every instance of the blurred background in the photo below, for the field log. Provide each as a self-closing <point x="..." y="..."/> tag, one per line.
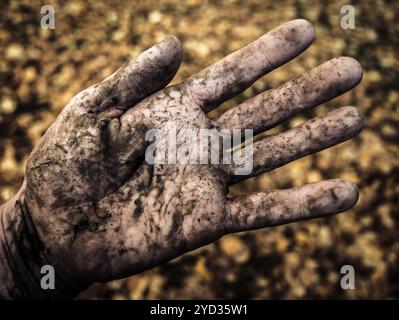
<point x="41" y="70"/>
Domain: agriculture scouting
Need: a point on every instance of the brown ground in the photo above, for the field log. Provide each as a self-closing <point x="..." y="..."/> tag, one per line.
<point x="40" y="70"/>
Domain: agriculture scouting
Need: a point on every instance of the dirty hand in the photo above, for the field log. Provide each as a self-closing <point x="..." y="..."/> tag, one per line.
<point x="92" y="206"/>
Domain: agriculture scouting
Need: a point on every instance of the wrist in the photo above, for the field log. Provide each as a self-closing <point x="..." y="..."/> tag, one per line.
<point x="22" y="254"/>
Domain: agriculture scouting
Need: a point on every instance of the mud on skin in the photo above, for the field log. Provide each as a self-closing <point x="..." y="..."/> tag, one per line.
<point x="95" y="210"/>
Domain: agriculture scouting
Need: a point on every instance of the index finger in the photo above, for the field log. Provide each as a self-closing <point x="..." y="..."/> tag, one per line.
<point x="239" y="70"/>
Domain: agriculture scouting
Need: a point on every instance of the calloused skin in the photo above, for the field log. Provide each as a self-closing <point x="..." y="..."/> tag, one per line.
<point x="93" y="208"/>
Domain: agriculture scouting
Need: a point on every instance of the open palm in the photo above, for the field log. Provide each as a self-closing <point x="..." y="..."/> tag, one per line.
<point x="102" y="212"/>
